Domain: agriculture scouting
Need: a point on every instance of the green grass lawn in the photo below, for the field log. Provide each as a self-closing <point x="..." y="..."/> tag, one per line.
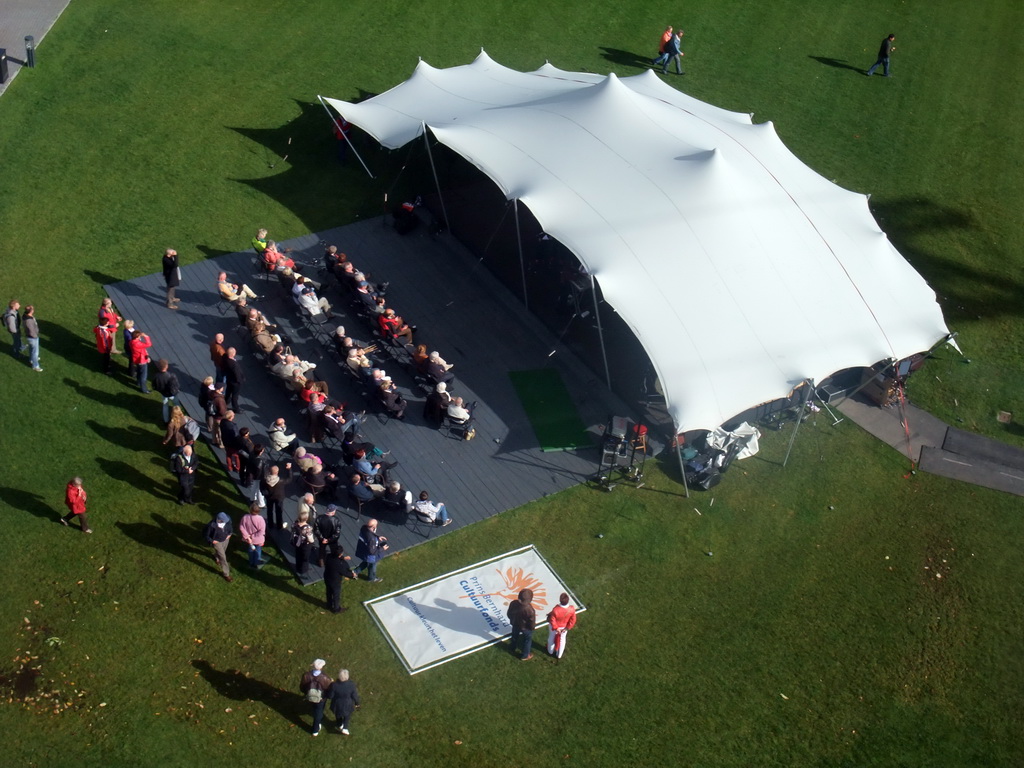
<point x="850" y="614"/>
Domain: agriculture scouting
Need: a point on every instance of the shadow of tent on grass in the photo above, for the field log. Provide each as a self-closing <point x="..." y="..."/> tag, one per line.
<point x="236" y="685"/>
<point x="966" y="291"/>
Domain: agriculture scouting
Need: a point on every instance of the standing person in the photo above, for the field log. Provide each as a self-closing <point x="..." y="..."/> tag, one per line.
<point x="186" y="465"/>
<point x="336" y="568"/>
<point x="254" y="533"/>
<point x="139" y="355"/>
<point x="32" y="337"/>
<point x="884" y="51"/>
<point x="104" y="344"/>
<point x="110" y="318"/>
<point x="75" y="498"/>
<point x="370" y="549"/>
<point x="674" y="53"/>
<point x="303" y="539"/>
<point x="235" y="377"/>
<point x="523" y="617"/>
<point x="665" y="37"/>
<point x="313" y="686"/>
<point x="126" y="341"/>
<point x="217" y="353"/>
<point x="12" y="322"/>
<point x="327" y="527"/>
<point x="561" y="619"/>
<point x="218" y="533"/>
<point x="254" y="467"/>
<point x="172" y="276"/>
<point x="166" y="383"/>
<point x="344" y="698"/>
<point x="272" y="486"/>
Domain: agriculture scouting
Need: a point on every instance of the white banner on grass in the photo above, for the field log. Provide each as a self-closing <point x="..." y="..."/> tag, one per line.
<point x="463" y="611"/>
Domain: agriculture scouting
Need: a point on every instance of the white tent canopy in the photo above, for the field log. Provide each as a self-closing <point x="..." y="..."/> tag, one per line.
<point x="740" y="270"/>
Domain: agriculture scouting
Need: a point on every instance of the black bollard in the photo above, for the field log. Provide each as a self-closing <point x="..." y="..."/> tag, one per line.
<point x="30" y="50"/>
<point x="3" y="66"/>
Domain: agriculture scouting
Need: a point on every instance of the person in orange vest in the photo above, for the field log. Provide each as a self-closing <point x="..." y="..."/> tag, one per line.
<point x="662" y="56"/>
<point x="561" y="619"/>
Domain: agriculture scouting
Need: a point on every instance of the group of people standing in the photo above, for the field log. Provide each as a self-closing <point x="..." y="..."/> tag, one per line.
<point x="23" y="324"/>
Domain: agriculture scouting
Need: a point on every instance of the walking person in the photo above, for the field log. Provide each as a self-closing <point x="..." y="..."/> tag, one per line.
<point x="75" y="498"/>
<point x="884" y="51"/>
<point x="336" y="568"/>
<point x="28" y="321"/>
<point x="172" y="276"/>
<point x="344" y="696"/>
<point x="166" y="383"/>
<point x="674" y="53"/>
<point x="523" y="617"/>
<point x="561" y="619"/>
<point x="218" y="534"/>
<point x="12" y="323"/>
<point x="254" y="533"/>
<point x="370" y="549"/>
<point x="186" y="464"/>
<point x="313" y="686"/>
<point x="662" y="56"/>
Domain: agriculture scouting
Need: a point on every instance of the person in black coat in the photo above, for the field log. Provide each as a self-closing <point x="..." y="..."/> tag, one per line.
<point x="336" y="568"/>
<point x="235" y="377"/>
<point x="186" y="465"/>
<point x="255" y="464"/>
<point x="344" y="698"/>
<point x="172" y="276"/>
<point x="273" y="487"/>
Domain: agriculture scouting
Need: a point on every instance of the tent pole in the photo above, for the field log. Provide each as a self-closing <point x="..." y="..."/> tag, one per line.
<point x="809" y="383"/>
<point x="682" y="470"/>
<point x="347" y="140"/>
<point x="600" y="332"/>
<point x="522" y="262"/>
<point x="444" y="210"/>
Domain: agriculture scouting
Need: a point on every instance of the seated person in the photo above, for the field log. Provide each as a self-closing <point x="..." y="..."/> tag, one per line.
<point x="392" y="401"/>
<point x="428" y="511"/>
<point x="358" y="362"/>
<point x="232" y="291"/>
<point x="459" y="413"/>
<point x="349" y="448"/>
<point x="275" y="259"/>
<point x="297" y="382"/>
<point x="371" y="472"/>
<point x="394" y="327"/>
<point x="259" y="243"/>
<point x="308" y="300"/>
<point x="436" y="369"/>
<point x="332" y="422"/>
<point x="312" y="395"/>
<point x="289" y="364"/>
<point x="366" y="299"/>
<point x="303" y="459"/>
<point x="419" y="357"/>
<point x="242" y="310"/>
<point x="397" y="497"/>
<point x="363" y="491"/>
<point x="436" y="406"/>
<point x="314" y="480"/>
<point x="280" y="438"/>
<point x="333" y="258"/>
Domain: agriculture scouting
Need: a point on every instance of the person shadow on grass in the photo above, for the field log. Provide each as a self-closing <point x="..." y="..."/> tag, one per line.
<point x="236" y="685"/>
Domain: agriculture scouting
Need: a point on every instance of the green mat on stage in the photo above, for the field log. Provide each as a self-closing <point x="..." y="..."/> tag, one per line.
<point x="550" y="409"/>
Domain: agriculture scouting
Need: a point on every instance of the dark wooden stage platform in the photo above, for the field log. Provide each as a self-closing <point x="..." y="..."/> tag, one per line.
<point x="460" y="309"/>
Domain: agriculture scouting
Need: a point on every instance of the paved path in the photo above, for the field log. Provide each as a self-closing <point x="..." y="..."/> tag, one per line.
<point x="19" y="18"/>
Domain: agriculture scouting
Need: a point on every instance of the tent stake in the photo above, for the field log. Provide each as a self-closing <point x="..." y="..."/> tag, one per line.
<point x="809" y="383"/>
<point x="522" y="263"/>
<point x="345" y="136"/>
<point x="444" y="210"/>
<point x="600" y="332"/>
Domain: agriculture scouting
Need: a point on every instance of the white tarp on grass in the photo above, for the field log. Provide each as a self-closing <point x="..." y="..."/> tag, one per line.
<point x="741" y="271"/>
<point x="463" y="611"/>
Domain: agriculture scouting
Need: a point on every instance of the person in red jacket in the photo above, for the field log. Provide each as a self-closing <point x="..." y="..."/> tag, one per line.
<point x="393" y="326"/>
<point x="138" y="349"/>
<point x="561" y="619"/>
<point x="105" y="343"/>
<point x="74" y="498"/>
<point x="110" y="318"/>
